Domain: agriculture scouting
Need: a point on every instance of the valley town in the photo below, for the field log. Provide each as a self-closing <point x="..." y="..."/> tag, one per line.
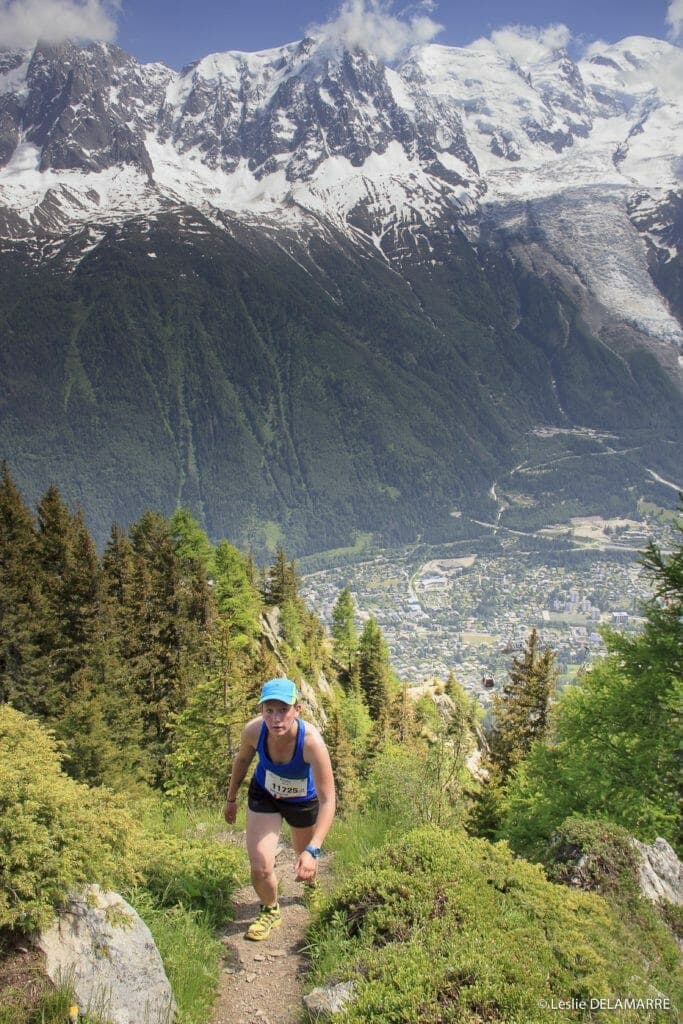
<point x="468" y="612"/>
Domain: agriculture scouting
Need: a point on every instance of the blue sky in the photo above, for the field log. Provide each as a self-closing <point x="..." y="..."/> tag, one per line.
<point x="178" y="31"/>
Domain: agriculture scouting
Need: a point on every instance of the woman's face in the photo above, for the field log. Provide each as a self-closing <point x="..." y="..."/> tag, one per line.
<point x="279" y="716"/>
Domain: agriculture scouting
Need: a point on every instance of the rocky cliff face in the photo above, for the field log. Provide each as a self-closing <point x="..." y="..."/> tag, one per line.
<point x="82" y="109"/>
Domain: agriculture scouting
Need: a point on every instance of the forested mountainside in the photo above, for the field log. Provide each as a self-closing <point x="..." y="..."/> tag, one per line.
<point x="314" y="392"/>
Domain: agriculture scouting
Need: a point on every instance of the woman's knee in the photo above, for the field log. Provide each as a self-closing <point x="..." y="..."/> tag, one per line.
<point x="261" y="870"/>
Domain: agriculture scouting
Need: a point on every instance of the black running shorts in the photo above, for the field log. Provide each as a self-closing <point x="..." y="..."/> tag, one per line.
<point x="299" y="814"/>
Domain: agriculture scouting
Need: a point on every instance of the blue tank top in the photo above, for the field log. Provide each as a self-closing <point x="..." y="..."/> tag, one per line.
<point x="292" y="781"/>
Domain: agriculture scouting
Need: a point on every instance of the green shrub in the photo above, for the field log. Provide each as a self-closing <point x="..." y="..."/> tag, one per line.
<point x="55" y="834"/>
<point x="440" y="927"/>
<point x="197" y="874"/>
<point x="416" y="784"/>
<point x="609" y="861"/>
<point x="672" y="915"/>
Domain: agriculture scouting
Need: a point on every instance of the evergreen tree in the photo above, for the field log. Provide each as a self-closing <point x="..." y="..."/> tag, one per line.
<point x="171" y="609"/>
<point x="402" y="716"/>
<point x="268" y="665"/>
<point x="355" y="715"/>
<point x="102" y="728"/>
<point x="316" y="655"/>
<point x="487" y="811"/>
<point x="379" y="736"/>
<point x="292" y="628"/>
<point x="282" y="581"/>
<point x="237" y="598"/>
<point x="23" y="662"/>
<point x="112" y="664"/>
<point x="344" y="768"/>
<point x="191" y="541"/>
<point x="117" y="612"/>
<point x="375" y="673"/>
<point x="344" y="629"/>
<point x="521" y="711"/>
<point x="207" y="731"/>
<point x="453" y="688"/>
<point x="70" y="577"/>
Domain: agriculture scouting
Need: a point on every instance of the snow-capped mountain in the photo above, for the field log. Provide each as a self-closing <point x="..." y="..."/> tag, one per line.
<point x="89" y="136"/>
<point x="303" y="290"/>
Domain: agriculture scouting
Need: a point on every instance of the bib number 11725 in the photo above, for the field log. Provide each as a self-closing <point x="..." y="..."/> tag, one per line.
<point x="280" y="787"/>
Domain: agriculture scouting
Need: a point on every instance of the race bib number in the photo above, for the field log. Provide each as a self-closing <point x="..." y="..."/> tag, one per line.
<point x="281" y="788"/>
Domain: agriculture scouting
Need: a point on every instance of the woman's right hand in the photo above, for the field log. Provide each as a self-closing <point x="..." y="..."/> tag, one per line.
<point x="230" y="811"/>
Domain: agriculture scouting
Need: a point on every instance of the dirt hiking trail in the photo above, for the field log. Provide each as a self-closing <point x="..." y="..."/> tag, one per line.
<point x="262" y="982"/>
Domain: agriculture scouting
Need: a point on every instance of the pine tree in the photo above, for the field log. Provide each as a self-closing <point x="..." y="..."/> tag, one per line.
<point x="344" y="629"/>
<point x="453" y="688"/>
<point x="23" y="662"/>
<point x="207" y="731"/>
<point x="116" y="593"/>
<point x="267" y="664"/>
<point x="69" y="572"/>
<point x="316" y="647"/>
<point x="355" y="715"/>
<point x="521" y="711"/>
<point x="402" y="716"/>
<point x="237" y="598"/>
<point x="190" y="540"/>
<point x="282" y="581"/>
<point x="374" y="670"/>
<point x="102" y="728"/>
<point x="344" y="768"/>
<point x="171" y="608"/>
<point x="113" y="660"/>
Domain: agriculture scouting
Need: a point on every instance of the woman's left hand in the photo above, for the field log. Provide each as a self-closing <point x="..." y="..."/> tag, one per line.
<point x="305" y="867"/>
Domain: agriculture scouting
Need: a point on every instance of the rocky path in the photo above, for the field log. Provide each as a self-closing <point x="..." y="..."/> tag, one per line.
<point x="262" y="982"/>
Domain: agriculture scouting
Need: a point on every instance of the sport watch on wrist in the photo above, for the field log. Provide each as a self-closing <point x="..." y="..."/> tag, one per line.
<point x="315" y="851"/>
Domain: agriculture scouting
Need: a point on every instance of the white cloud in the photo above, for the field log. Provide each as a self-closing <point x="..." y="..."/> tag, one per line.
<point x="674" y="19"/>
<point x="370" y="24"/>
<point x="529" y="45"/>
<point x="23" y="22"/>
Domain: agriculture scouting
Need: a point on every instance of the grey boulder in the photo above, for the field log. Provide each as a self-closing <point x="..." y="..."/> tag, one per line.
<point x="101" y="947"/>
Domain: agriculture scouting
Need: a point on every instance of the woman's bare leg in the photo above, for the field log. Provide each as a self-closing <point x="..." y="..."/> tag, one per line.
<point x="263" y="833"/>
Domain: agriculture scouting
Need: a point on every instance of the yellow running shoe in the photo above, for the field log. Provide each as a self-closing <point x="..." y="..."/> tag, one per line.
<point x="267" y="919"/>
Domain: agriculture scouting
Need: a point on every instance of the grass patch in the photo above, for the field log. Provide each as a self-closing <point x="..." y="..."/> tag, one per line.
<point x="190" y="952"/>
<point x="355" y="838"/>
<point x="477" y="639"/>
<point x="27" y="996"/>
<point x="385" y="584"/>
<point x="665" y="515"/>
<point x="362" y="544"/>
<point x="171" y="817"/>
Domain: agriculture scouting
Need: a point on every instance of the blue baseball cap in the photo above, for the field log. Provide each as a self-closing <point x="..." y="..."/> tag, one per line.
<point x="279" y="689"/>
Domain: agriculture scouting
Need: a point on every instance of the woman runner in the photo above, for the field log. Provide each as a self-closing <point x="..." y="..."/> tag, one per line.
<point x="292" y="780"/>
